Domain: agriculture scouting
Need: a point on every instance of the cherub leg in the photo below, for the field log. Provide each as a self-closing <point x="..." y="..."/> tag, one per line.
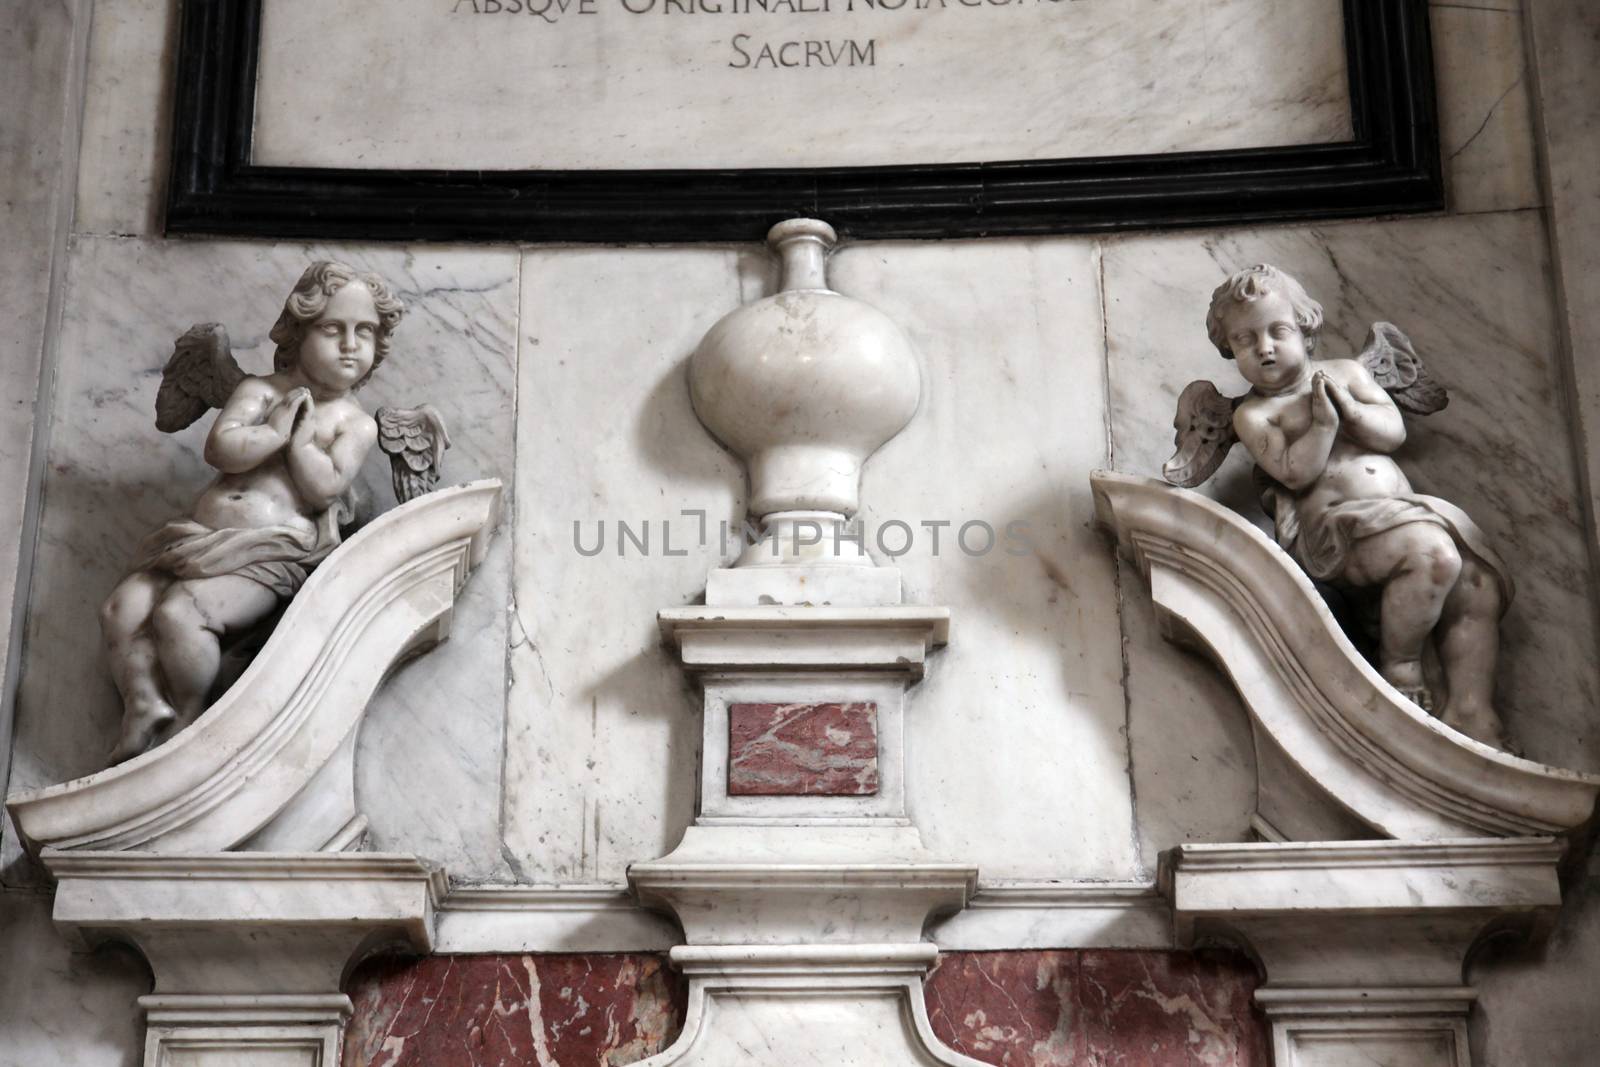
<point x="1417" y="564"/>
<point x="1469" y="646"/>
<point x="135" y="668"/>
<point x="189" y="625"/>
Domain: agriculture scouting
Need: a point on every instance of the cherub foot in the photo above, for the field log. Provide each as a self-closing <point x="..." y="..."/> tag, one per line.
<point x="141" y="725"/>
<point x="1406" y="676"/>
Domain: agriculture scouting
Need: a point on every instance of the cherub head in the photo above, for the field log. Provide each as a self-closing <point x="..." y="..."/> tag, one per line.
<point x="309" y="301"/>
<point x="1263" y="319"/>
<point x="1253" y="283"/>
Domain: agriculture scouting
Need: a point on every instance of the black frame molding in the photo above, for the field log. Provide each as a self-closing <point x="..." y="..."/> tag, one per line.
<point x="1391" y="166"/>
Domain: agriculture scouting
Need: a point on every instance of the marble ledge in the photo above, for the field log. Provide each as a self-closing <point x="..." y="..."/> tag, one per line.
<point x="605" y="918"/>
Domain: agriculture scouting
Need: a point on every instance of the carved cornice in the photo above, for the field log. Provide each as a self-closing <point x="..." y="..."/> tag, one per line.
<point x="1225" y="586"/>
<point x="736" y="639"/>
<point x="290" y="719"/>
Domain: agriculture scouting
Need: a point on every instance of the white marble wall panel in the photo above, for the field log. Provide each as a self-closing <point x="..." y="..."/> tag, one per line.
<point x="1473" y="292"/>
<point x="127" y="116"/>
<point x="1017" y="759"/>
<point x="603" y="727"/>
<point x="112" y="478"/>
<point x="1485" y="106"/>
<point x="64" y="1006"/>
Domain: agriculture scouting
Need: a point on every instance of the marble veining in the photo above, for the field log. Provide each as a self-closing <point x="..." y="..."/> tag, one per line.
<point x="1486" y="110"/>
<point x="1064" y="1008"/>
<point x="506" y="1011"/>
<point x="802" y="749"/>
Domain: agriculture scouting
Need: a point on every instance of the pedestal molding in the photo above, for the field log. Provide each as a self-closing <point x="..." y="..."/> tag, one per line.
<point x="1348" y="1001"/>
<point x="249" y="950"/>
<point x="507" y="918"/>
<point x="1363" y="945"/>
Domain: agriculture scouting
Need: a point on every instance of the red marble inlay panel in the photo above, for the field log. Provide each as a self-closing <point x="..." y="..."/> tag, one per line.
<point x="1098" y="1008"/>
<point x="510" y="1011"/>
<point x="827" y="750"/>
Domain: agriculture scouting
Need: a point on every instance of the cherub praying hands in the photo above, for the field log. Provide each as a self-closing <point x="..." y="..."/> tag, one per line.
<point x="1321" y="433"/>
<point x="288" y="446"/>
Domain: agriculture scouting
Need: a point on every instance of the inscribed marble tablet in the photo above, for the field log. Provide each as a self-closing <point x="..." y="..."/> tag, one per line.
<point x="667" y="84"/>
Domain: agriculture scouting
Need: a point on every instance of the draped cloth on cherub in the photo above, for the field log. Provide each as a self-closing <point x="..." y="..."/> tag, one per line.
<point x="1322" y="542"/>
<point x="278" y="557"/>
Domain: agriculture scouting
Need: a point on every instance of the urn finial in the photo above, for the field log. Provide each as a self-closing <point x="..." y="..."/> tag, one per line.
<point x="804" y="385"/>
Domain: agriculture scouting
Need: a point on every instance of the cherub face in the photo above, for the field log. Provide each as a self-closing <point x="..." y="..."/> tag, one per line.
<point x="1266" y="342"/>
<point x="336" y="350"/>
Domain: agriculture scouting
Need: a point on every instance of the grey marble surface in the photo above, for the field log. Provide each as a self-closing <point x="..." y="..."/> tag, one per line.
<point x="603" y="726"/>
<point x="37" y="67"/>
<point x="1485" y="94"/>
<point x="112" y="477"/>
<point x="1017" y="756"/>
<point x="1473" y="293"/>
<point x="1566" y="35"/>
<point x="127" y="117"/>
<point x="60" y="1005"/>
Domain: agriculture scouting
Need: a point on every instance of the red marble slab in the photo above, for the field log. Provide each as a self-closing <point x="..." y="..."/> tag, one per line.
<point x="513" y="1010"/>
<point x="828" y="750"/>
<point x="1098" y="1008"/>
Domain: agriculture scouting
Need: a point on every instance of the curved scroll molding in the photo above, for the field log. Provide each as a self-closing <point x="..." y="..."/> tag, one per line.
<point x="1219" y="581"/>
<point x="269" y="765"/>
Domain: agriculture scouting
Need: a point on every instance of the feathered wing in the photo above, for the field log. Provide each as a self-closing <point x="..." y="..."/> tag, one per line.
<point x="1204" y="426"/>
<point x="1395" y="365"/>
<point x="415" y="440"/>
<point x="202" y="374"/>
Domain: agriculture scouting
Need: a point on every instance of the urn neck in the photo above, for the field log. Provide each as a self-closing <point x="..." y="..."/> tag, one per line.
<point x="802" y="246"/>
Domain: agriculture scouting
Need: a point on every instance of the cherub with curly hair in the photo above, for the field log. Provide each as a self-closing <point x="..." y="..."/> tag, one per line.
<point x="1322" y="432"/>
<point x="287" y="445"/>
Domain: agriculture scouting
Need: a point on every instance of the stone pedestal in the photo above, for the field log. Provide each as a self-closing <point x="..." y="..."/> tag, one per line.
<point x="249" y="950"/>
<point x="802" y="886"/>
<point x="1364" y="944"/>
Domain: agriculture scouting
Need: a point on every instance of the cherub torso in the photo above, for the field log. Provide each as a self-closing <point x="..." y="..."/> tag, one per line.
<point x="1353" y="471"/>
<point x="267" y="495"/>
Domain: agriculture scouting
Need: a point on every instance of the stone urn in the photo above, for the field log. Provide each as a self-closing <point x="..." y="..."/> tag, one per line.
<point x="804" y="385"/>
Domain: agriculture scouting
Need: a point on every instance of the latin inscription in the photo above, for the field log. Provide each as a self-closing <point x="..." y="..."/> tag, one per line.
<point x="753" y="51"/>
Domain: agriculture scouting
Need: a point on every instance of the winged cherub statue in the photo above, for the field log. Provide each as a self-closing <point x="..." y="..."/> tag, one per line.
<point x="1322" y="432"/>
<point x="287" y="446"/>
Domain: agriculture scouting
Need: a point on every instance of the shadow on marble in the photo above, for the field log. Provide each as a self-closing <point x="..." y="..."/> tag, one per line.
<point x="59" y="1005"/>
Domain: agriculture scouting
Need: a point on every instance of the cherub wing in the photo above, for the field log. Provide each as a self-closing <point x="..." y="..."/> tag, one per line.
<point x="1395" y="365"/>
<point x="1205" y="434"/>
<point x="415" y="440"/>
<point x="201" y="375"/>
